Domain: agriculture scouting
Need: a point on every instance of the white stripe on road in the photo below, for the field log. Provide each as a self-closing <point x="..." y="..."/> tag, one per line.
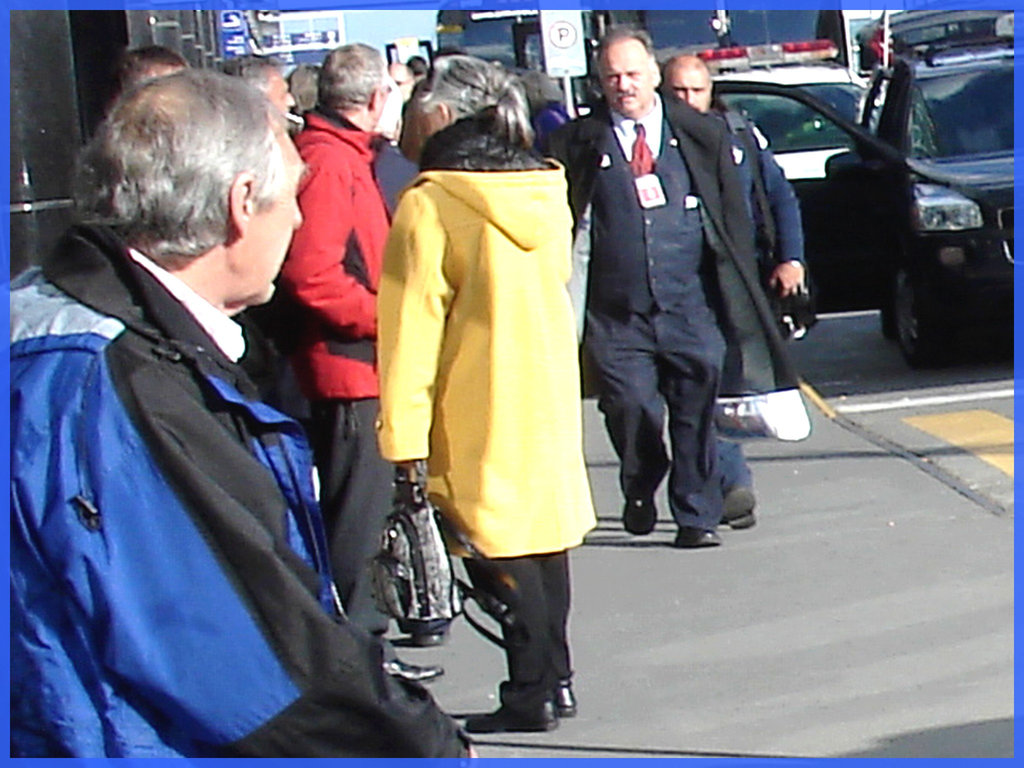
<point x="918" y="402"/>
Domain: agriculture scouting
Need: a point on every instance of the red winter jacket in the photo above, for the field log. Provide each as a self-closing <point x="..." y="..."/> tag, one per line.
<point x="333" y="264"/>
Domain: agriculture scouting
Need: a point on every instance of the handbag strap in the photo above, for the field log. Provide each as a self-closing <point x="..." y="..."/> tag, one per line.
<point x="498" y="610"/>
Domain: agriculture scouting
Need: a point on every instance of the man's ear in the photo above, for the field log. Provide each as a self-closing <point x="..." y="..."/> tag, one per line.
<point x="241" y="203"/>
<point x="446" y="113"/>
<point x="439" y="118"/>
<point x="377" y="100"/>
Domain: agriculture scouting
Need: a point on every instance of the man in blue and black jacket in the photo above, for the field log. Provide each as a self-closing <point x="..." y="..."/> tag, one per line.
<point x="171" y="593"/>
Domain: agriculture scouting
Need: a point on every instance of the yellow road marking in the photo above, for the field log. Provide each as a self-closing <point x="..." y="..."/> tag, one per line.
<point x="987" y="435"/>
<point x="812" y="394"/>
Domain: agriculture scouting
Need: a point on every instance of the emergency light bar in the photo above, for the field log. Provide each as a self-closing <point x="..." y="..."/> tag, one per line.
<point x="746" y="56"/>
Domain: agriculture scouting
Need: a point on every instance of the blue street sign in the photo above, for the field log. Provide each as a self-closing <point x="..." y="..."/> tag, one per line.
<point x="232" y="21"/>
<point x="233" y="36"/>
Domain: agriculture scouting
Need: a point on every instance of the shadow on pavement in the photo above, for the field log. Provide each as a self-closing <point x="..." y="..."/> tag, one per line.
<point x="988" y="738"/>
<point x="846" y="354"/>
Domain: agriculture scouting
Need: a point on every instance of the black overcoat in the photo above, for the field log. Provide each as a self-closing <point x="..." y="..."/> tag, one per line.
<point x="760" y="360"/>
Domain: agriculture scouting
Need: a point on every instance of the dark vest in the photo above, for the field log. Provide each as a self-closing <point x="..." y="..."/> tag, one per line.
<point x="642" y="260"/>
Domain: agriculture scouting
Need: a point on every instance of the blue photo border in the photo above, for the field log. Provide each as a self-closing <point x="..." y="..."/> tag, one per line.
<point x="5" y="45"/>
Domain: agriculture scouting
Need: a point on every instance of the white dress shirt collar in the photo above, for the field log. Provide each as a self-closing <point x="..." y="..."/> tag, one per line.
<point x="625" y="128"/>
<point x="225" y="332"/>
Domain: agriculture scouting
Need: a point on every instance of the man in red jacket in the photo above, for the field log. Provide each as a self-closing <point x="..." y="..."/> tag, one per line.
<point x="333" y="268"/>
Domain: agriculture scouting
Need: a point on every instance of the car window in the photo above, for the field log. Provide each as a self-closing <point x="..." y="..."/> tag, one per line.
<point x="873" y="104"/>
<point x="969" y="113"/>
<point x="844" y="98"/>
<point x="759" y="27"/>
<point x="964" y="29"/>
<point x="789" y="125"/>
<point x="923" y="139"/>
<point x="801" y="138"/>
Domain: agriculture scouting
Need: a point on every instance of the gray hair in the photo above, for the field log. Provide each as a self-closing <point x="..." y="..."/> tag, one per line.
<point x="349" y="77"/>
<point x="468" y="86"/>
<point x="621" y="34"/>
<point x="160" y="169"/>
<point x="253" y="69"/>
<point x="302" y="82"/>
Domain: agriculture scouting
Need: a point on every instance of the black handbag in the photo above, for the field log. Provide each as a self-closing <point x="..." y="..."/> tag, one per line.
<point x="411" y="573"/>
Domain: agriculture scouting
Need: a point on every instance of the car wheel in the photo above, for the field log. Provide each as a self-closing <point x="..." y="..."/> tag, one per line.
<point x="921" y="336"/>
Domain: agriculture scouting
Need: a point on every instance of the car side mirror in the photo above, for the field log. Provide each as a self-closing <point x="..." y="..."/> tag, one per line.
<point x="842" y="162"/>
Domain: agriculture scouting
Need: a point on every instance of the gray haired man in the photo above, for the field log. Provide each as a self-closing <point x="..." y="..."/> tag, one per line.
<point x="170" y="592"/>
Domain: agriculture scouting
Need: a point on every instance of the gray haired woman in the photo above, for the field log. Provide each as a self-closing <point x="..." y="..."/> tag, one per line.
<point x="479" y="371"/>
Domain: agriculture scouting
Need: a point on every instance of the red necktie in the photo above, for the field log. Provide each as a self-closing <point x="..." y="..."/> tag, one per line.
<point x="642" y="161"/>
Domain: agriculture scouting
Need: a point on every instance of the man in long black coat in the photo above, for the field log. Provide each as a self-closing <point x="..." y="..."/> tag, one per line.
<point x="673" y="303"/>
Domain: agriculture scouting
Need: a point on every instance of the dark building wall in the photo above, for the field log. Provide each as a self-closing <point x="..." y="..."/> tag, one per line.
<point x="45" y="132"/>
<point x="62" y="67"/>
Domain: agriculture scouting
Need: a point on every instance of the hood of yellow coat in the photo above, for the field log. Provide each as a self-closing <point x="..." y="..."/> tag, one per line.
<point x="528" y="207"/>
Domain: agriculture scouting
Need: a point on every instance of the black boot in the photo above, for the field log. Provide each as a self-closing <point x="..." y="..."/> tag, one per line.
<point x="565" y="699"/>
<point x="505" y="720"/>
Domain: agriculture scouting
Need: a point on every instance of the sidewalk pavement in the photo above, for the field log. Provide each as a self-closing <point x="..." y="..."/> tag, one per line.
<point x="868" y="614"/>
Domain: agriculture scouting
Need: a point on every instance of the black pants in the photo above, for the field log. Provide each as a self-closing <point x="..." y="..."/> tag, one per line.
<point x="645" y="363"/>
<point x="536" y="588"/>
<point x="355" y="497"/>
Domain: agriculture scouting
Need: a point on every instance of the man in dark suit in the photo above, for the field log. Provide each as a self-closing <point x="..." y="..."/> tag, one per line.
<point x="671" y="285"/>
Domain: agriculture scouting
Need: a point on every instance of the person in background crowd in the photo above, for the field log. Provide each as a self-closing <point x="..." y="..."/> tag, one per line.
<point x="403" y="78"/>
<point x="663" y="232"/>
<point x="390" y="124"/>
<point x="547" y="112"/>
<point x="136" y="65"/>
<point x="416" y="127"/>
<point x="332" y="270"/>
<point x="775" y="210"/>
<point x="270" y="327"/>
<point x="169" y="592"/>
<point x="264" y="72"/>
<point x="479" y="369"/>
<point x="302" y="82"/>
<point x="394" y="172"/>
<point x="419" y="67"/>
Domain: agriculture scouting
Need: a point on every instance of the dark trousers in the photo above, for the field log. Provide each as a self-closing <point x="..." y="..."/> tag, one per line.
<point x="536" y="588"/>
<point x="355" y="496"/>
<point x="735" y="470"/>
<point x="645" y="364"/>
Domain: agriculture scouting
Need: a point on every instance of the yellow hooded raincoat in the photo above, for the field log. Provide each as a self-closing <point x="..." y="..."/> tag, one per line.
<point x="478" y="356"/>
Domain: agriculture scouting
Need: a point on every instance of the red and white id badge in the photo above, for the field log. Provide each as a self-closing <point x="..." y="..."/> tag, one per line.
<point x="649" y="191"/>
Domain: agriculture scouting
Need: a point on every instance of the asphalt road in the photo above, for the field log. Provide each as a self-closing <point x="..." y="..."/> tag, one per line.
<point x="868" y="614"/>
<point x="955" y="421"/>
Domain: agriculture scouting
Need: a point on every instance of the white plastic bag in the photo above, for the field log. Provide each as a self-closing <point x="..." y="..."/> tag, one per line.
<point x="780" y="415"/>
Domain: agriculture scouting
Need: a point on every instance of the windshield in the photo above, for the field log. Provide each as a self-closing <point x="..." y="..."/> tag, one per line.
<point x="968" y="113"/>
<point x="758" y="27"/>
<point x="844" y="98"/>
<point x="672" y="30"/>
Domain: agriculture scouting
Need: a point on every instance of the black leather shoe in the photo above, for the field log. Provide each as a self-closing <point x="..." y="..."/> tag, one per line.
<point x="565" y="699"/>
<point x="506" y="720"/>
<point x="639" y="516"/>
<point x="739" y="508"/>
<point x="417" y="674"/>
<point x="696" y="538"/>
<point x="428" y="639"/>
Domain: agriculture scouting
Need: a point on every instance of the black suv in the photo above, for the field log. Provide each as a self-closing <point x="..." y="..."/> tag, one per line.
<point x="911" y="210"/>
<point x="950" y="113"/>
